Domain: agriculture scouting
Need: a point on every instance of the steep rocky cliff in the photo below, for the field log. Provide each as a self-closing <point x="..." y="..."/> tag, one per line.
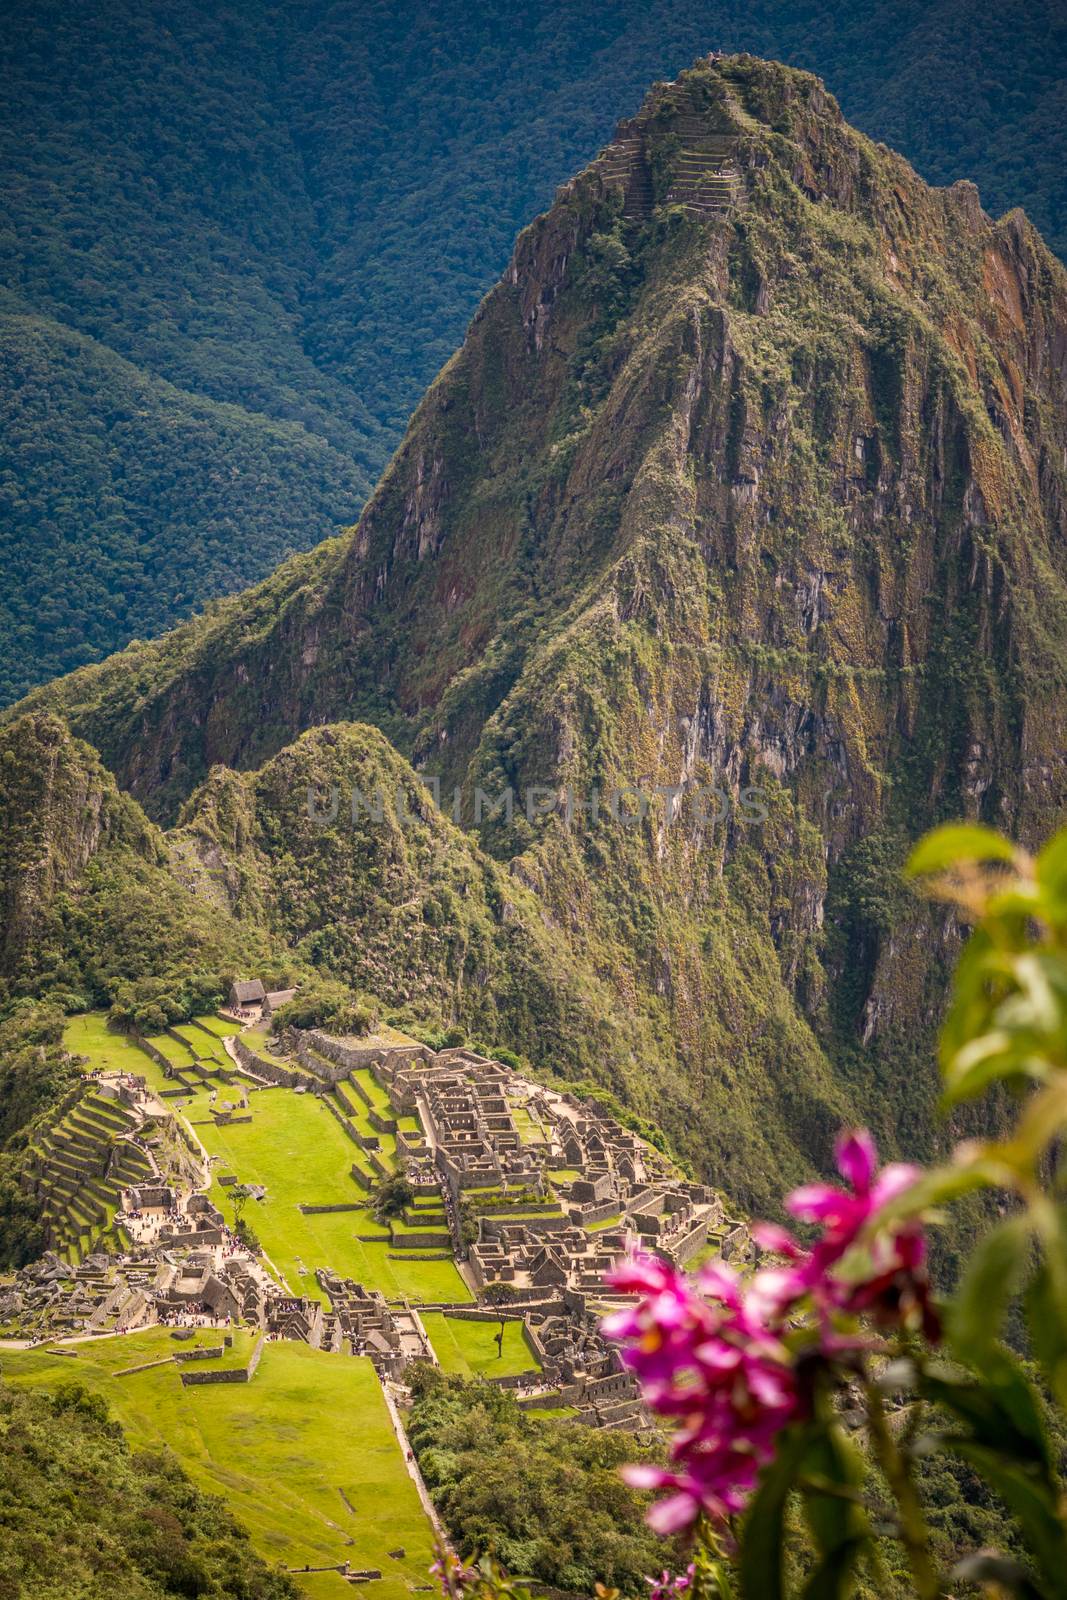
<point x="750" y="476"/>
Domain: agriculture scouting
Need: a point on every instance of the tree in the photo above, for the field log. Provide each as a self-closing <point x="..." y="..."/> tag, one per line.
<point x="329" y="1005"/>
<point x="393" y="1195"/>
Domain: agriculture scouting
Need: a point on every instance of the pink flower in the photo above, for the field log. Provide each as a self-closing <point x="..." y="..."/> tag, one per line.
<point x="889" y="1281"/>
<point x="713" y="1354"/>
<point x="714" y="1359"/>
<point x="666" y="1586"/>
<point x="452" y="1576"/>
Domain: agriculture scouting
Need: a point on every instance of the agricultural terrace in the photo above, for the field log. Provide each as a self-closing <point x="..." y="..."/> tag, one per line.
<point x="304" y="1455"/>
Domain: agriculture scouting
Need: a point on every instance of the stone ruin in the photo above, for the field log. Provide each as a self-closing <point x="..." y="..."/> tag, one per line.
<point x="534" y="1191"/>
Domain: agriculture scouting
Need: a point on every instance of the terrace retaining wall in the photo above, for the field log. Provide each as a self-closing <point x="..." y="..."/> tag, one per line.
<point x="272" y="1071"/>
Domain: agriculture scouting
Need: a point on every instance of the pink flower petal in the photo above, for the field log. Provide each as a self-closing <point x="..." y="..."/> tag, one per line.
<point x="856" y="1158"/>
<point x="892" y="1181"/>
<point x="642" y="1475"/>
<point x="669" y="1516"/>
<point x="779" y="1241"/>
<point x="721" y="1281"/>
<point x="816" y="1202"/>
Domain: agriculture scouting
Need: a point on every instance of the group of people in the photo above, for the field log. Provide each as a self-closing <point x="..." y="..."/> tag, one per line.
<point x="193" y="1315"/>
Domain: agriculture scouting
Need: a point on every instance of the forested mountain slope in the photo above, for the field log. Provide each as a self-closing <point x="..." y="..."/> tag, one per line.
<point x="239" y="241"/>
<point x="751" y="479"/>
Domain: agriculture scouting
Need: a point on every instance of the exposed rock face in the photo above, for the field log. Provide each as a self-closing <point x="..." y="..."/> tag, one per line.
<point x="761" y="495"/>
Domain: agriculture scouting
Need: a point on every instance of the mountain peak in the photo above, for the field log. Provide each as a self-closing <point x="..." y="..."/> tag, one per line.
<point x="747" y="480"/>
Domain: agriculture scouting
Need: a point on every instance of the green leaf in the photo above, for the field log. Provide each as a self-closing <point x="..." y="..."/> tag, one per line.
<point x="834" y="1518"/>
<point x="941" y="1185"/>
<point x="762" y="1536"/>
<point x="1052" y="866"/>
<point x="830" y="1580"/>
<point x="1046" y="1302"/>
<point x="989" y="1282"/>
<point x="956" y="842"/>
<point x="1001" y="1410"/>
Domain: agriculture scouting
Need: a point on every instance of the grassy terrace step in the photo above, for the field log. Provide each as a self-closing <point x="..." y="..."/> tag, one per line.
<point x="518" y="1213"/>
<point x="175" y="1051"/>
<point x="204" y="1045"/>
<point x="346" y="1102"/>
<point x="107" y="1107"/>
<point x="126" y="1150"/>
<point x="84" y="1213"/>
<point x="68" y="1179"/>
<point x="106" y="1190"/>
<point x="81" y="1157"/>
<point x="58" y="1186"/>
<point x="106" y="1116"/>
<point x="56" y="1152"/>
<point x="129" y="1170"/>
<point x="82" y="1129"/>
<point x="129" y="1177"/>
<point x="218" y="1027"/>
<point x="376" y="1097"/>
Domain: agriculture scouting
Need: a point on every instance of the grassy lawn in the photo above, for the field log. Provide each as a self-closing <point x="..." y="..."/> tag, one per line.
<point x="300" y="1154"/>
<point x="178" y="1054"/>
<point x="89" y="1035"/>
<point x="468" y="1349"/>
<point x="280" y="1450"/>
<point x="218" y="1026"/>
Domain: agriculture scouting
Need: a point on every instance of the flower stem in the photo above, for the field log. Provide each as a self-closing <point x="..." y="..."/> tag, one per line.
<point x="914" y="1535"/>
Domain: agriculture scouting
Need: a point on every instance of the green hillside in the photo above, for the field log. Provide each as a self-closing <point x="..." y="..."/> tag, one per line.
<point x="127" y="500"/>
<point x="766" y="498"/>
<point x="237" y="245"/>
